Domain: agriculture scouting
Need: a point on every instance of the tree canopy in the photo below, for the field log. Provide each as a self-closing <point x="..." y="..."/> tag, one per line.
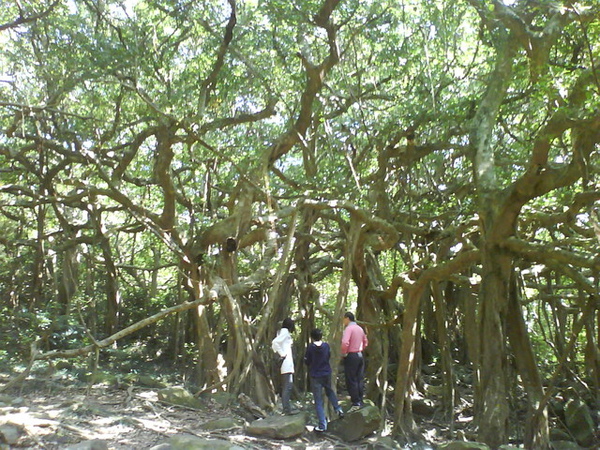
<point x="187" y="174"/>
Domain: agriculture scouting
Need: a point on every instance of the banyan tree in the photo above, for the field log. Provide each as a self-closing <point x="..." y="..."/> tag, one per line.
<point x="184" y="175"/>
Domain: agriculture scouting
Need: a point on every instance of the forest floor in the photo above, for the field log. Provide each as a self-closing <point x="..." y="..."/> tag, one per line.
<point x="52" y="414"/>
<point x="55" y="416"/>
<point x="56" y="410"/>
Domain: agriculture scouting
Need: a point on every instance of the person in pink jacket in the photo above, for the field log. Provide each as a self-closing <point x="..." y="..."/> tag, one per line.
<point x="354" y="341"/>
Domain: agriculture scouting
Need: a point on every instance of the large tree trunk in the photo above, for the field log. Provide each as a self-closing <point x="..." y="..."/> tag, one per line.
<point x="38" y="259"/>
<point x="67" y="279"/>
<point x="403" y="421"/>
<point x="376" y="311"/>
<point x="445" y="353"/>
<point x="207" y="368"/>
<point x="336" y="331"/>
<point x="245" y="362"/>
<point x="113" y="294"/>
<point x="308" y="296"/>
<point x="492" y="405"/>
<point x="206" y="371"/>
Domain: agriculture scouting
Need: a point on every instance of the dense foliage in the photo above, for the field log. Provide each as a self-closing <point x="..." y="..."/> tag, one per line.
<point x="186" y="174"/>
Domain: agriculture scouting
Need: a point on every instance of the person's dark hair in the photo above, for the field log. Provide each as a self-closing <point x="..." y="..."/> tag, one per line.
<point x="289" y="324"/>
<point x="350" y="316"/>
<point x="316" y="334"/>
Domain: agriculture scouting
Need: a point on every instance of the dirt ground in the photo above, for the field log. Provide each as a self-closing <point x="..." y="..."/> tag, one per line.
<point x="53" y="415"/>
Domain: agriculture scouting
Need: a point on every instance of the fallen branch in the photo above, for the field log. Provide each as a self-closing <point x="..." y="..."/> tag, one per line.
<point x="36" y="355"/>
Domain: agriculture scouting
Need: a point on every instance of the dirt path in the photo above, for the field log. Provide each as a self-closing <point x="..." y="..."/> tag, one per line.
<point x="53" y="416"/>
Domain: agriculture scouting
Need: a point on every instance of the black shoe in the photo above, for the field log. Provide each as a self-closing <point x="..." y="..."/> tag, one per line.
<point x="340" y="413"/>
<point x="319" y="429"/>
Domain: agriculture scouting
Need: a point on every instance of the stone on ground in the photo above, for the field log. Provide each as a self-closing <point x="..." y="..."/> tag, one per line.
<point x="224" y="423"/>
<point x="579" y="422"/>
<point x="179" y="396"/>
<point x="10" y="433"/>
<point x="463" y="445"/>
<point x="356" y="425"/>
<point x="278" y="427"/>
<point x="189" y="442"/>
<point x="93" y="444"/>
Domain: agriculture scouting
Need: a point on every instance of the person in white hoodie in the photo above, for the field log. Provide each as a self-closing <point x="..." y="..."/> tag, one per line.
<point x="282" y="345"/>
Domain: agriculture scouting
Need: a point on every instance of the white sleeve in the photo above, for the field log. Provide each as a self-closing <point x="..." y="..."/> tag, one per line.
<point x="277" y="344"/>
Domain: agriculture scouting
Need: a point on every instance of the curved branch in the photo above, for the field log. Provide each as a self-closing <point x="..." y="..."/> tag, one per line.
<point x="551" y="254"/>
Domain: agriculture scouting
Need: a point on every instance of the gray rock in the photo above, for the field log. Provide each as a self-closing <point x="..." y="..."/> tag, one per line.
<point x="220" y="398"/>
<point x="556" y="434"/>
<point x="278" y="427"/>
<point x="94" y="444"/>
<point x="19" y="401"/>
<point x="384" y="443"/>
<point x="179" y="396"/>
<point x="10" y="433"/>
<point x="565" y="445"/>
<point x="189" y="442"/>
<point x="63" y="365"/>
<point x="579" y="421"/>
<point x="463" y="445"/>
<point x="356" y="425"/>
<point x="151" y="382"/>
<point x="224" y="423"/>
<point x="423" y="407"/>
<point x="248" y="404"/>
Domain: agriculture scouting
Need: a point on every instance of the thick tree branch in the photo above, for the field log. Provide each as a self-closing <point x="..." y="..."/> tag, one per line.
<point x="208" y="85"/>
<point x="551" y="254"/>
<point x="315" y="78"/>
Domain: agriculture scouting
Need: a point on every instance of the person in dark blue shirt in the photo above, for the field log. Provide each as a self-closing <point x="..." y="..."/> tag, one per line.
<point x="317" y="359"/>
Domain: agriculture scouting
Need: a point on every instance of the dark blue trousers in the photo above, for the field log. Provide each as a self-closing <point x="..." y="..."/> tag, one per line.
<point x="354" y="369"/>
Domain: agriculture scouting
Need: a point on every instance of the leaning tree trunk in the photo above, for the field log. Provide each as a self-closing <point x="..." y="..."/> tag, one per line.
<point x="67" y="278"/>
<point x="367" y="312"/>
<point x="38" y="259"/>
<point x="536" y="428"/>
